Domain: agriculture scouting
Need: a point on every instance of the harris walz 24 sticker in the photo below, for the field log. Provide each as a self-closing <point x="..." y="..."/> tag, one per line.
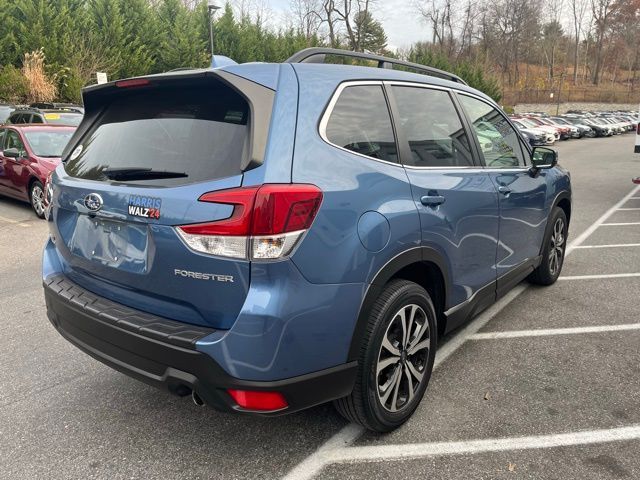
<point x="145" y="207"/>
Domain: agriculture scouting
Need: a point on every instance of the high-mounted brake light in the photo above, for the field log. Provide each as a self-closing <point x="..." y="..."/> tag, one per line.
<point x="261" y="401"/>
<point x="266" y="223"/>
<point x="134" y="82"/>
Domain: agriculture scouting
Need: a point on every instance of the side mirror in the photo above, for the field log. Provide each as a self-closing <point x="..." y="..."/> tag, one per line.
<point x="543" y="157"/>
<point x="12" y="153"/>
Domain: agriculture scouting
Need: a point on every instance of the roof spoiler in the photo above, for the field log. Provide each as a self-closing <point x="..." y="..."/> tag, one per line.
<point x="218" y="61"/>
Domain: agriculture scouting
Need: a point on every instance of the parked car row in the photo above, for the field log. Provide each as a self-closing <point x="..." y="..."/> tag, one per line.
<point x="32" y="138"/>
<point x="542" y="129"/>
<point x="39" y="113"/>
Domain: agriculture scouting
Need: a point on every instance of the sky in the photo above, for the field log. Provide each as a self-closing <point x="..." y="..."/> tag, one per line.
<point x="399" y="18"/>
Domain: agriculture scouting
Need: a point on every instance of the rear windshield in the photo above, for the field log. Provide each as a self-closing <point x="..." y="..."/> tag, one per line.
<point x="71" y="119"/>
<point x="161" y="136"/>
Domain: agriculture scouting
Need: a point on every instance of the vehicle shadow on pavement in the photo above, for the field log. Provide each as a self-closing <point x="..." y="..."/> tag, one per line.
<point x="114" y="424"/>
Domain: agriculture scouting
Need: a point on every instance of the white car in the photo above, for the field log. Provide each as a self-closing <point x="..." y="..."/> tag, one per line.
<point x="550" y="131"/>
<point x="545" y="137"/>
<point x="637" y="147"/>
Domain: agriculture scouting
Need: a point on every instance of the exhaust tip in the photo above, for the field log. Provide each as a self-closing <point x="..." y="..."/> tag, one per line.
<point x="196" y="399"/>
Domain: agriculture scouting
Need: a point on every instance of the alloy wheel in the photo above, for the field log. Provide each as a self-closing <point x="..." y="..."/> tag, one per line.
<point x="37" y="199"/>
<point x="403" y="356"/>
<point x="557" y="247"/>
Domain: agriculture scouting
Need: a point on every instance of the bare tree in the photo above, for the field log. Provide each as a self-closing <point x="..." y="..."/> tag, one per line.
<point x="552" y="33"/>
<point x="468" y="27"/>
<point x="308" y="16"/>
<point x="602" y="11"/>
<point x="578" y="11"/>
<point x="510" y="28"/>
<point x="438" y="14"/>
<point x="344" y="10"/>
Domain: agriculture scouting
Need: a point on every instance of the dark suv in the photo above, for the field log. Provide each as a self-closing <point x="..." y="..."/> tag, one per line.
<point x="56" y="116"/>
<point x="269" y="237"/>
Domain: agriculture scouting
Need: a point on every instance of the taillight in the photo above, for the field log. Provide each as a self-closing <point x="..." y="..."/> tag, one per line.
<point x="266" y="223"/>
<point x="260" y="401"/>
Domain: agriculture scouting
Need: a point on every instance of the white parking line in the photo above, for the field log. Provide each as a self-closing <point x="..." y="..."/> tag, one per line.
<point x="595" y="277"/>
<point x="620" y="224"/>
<point x="380" y="453"/>
<point x="628" y="209"/>
<point x="616" y="245"/>
<point x="341" y="441"/>
<point x="554" y="331"/>
<point x="579" y="240"/>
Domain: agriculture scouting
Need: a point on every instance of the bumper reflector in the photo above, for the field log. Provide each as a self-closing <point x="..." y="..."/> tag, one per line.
<point x="261" y="401"/>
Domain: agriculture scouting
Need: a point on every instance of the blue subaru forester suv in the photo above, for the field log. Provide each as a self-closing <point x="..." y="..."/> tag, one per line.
<point x="269" y="237"/>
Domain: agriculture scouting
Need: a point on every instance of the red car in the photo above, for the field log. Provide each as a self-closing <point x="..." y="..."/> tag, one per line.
<point x="28" y="153"/>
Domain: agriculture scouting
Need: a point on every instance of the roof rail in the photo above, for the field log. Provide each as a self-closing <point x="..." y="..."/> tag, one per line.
<point x="318" y="55"/>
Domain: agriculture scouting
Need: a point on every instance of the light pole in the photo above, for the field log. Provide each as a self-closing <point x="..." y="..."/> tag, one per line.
<point x="212" y="7"/>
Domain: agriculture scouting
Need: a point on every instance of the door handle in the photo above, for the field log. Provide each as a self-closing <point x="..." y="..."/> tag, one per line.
<point x="504" y="190"/>
<point x="432" y="200"/>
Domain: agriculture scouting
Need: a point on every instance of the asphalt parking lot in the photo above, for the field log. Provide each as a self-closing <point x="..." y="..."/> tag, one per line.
<point x="544" y="384"/>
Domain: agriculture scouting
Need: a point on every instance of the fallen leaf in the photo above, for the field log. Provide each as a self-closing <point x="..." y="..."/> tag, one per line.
<point x="512" y="467"/>
<point x="487" y="396"/>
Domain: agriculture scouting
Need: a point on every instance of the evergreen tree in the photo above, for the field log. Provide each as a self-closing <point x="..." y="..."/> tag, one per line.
<point x="370" y="34"/>
<point x="182" y="41"/>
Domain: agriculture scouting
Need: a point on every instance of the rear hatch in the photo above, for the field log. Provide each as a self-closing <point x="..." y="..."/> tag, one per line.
<point x="145" y="154"/>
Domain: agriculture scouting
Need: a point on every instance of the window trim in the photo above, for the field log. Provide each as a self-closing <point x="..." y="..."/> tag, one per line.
<point x="453" y="93"/>
<point x="523" y="149"/>
<point x="324" y="119"/>
<point x="405" y="142"/>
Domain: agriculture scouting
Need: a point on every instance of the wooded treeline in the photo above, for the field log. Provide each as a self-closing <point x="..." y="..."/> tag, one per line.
<point x="588" y="41"/>
<point x="493" y="44"/>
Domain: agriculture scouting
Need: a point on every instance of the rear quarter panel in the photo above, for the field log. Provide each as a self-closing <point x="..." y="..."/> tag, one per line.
<point x="332" y="251"/>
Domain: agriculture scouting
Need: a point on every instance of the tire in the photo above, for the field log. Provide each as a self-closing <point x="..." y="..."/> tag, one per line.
<point x="36" y="198"/>
<point x="385" y="359"/>
<point x="555" y="244"/>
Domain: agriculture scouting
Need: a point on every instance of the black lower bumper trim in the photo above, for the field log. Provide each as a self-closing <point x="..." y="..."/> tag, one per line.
<point x="178" y="368"/>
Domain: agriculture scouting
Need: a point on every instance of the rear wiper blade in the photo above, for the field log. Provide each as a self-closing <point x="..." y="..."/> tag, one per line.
<point x="140" y="174"/>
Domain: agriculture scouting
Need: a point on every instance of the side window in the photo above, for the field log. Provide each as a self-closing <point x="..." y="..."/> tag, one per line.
<point x="360" y="122"/>
<point x="2" y="135"/>
<point x="499" y="142"/>
<point x="14" y="141"/>
<point x="15" y="118"/>
<point x="36" y="119"/>
<point x="433" y="128"/>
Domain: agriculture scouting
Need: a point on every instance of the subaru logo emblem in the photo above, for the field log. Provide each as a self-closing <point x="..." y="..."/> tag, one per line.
<point x="93" y="202"/>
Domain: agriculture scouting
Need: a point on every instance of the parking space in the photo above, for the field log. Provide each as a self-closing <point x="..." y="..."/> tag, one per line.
<point x="540" y="385"/>
<point x="514" y="395"/>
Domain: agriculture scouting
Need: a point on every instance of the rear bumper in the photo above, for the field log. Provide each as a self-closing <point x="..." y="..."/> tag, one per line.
<point x="162" y="352"/>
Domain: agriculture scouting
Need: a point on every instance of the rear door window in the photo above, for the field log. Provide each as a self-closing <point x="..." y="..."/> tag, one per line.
<point x="433" y="128"/>
<point x="360" y="122"/>
<point x="166" y="136"/>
